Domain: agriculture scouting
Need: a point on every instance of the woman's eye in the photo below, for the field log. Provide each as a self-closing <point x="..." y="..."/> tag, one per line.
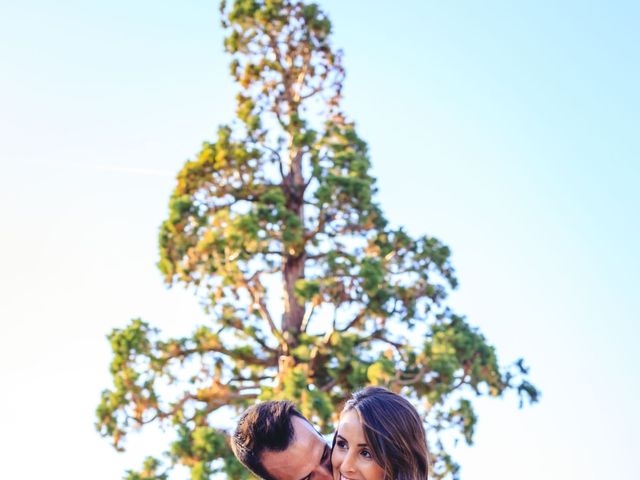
<point x="341" y="444"/>
<point x="366" y="454"/>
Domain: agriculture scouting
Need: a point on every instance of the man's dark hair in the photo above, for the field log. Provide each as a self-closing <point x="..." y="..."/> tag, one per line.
<point x="263" y="427"/>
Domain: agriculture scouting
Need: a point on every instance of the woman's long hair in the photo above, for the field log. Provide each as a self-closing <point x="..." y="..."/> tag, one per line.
<point x="394" y="432"/>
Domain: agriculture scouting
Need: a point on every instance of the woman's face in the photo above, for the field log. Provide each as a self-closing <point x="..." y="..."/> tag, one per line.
<point x="352" y="458"/>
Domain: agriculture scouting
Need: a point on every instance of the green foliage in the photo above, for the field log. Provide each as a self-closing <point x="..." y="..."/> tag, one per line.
<point x="281" y="207"/>
<point x="149" y="471"/>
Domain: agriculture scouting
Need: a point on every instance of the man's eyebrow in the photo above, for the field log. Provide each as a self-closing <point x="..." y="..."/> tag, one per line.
<point x="326" y="451"/>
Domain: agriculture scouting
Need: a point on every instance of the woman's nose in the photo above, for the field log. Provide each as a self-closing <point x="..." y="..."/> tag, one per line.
<point x="348" y="464"/>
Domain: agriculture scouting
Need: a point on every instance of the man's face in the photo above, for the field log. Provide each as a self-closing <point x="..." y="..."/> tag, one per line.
<point x="307" y="458"/>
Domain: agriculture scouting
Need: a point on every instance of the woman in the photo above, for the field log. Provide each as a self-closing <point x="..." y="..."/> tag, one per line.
<point x="380" y="437"/>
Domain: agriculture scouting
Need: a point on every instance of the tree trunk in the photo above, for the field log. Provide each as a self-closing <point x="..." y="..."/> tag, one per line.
<point x="293" y="311"/>
<point x="293" y="264"/>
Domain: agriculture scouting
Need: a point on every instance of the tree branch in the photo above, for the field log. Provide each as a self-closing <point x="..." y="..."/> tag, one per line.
<point x="353" y="322"/>
<point x="307" y="318"/>
<point x="264" y="312"/>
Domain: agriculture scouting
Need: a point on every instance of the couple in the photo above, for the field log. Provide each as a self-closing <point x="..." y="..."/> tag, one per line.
<point x="380" y="437"/>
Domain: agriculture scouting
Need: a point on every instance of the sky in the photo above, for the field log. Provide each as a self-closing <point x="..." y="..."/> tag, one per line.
<point x="509" y="130"/>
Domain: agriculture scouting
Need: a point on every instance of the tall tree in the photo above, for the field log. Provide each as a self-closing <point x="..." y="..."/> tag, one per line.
<point x="311" y="292"/>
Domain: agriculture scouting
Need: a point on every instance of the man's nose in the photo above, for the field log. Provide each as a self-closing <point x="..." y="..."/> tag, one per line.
<point x="324" y="474"/>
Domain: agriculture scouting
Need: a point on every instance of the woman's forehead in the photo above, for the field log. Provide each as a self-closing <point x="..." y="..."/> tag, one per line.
<point x="350" y="426"/>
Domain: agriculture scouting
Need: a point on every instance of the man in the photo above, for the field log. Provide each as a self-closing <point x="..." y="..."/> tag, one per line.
<point x="276" y="442"/>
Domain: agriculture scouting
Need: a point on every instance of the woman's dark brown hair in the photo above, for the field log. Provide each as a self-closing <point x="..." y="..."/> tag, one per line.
<point x="394" y="432"/>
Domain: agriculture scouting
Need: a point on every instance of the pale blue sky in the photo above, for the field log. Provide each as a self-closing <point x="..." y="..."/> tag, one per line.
<point x="508" y="129"/>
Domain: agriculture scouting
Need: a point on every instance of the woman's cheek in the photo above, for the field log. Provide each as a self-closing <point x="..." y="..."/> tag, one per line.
<point x="336" y="459"/>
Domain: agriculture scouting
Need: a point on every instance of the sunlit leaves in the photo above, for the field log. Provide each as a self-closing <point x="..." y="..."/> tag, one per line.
<point x="280" y="206"/>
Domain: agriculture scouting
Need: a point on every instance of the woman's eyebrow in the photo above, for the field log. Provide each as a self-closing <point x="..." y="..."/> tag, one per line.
<point x="345" y="440"/>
